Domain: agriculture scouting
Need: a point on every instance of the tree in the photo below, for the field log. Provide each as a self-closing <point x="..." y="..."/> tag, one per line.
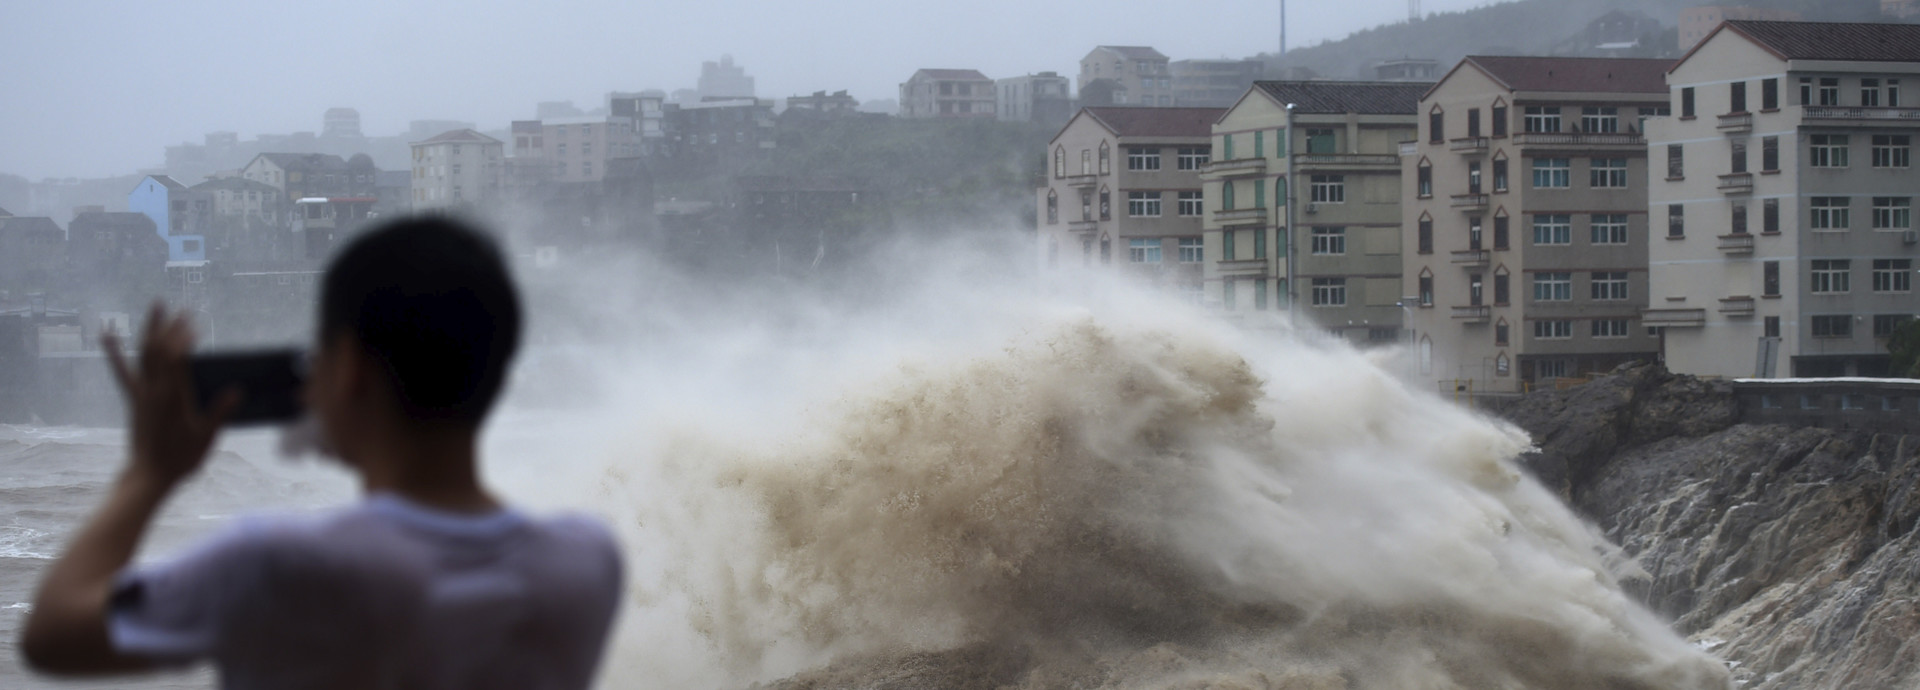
<point x="1904" y="345"/>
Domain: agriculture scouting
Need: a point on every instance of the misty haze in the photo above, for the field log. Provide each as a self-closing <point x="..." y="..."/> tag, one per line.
<point x="1428" y="344"/>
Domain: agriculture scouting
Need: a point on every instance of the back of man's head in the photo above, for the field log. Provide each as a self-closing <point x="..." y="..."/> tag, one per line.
<point x="430" y="302"/>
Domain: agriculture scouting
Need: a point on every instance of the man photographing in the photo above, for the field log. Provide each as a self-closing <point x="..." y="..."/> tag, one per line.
<point x="428" y="582"/>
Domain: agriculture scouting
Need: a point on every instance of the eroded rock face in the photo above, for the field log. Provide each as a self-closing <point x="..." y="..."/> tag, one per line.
<point x="1788" y="551"/>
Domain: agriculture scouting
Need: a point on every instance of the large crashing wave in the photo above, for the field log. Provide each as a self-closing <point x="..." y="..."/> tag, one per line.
<point x="1112" y="506"/>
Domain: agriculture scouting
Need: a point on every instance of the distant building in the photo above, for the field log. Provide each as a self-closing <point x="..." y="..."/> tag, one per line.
<point x="251" y="222"/>
<point x="33" y="251"/>
<point x="1103" y="92"/>
<point x="1618" y="34"/>
<point x="1899" y="9"/>
<point x="1141" y="71"/>
<point x="645" y="109"/>
<point x="573" y="149"/>
<point x="723" y="79"/>
<point x="340" y="122"/>
<point x="180" y="215"/>
<point x="837" y="102"/>
<point x="117" y="260"/>
<point x="718" y="133"/>
<point x="421" y="130"/>
<point x="455" y="168"/>
<point x="1213" y="83"/>
<point x="1407" y="69"/>
<point x="1696" y="22"/>
<point x="301" y="175"/>
<point x="1046" y="97"/>
<point x="947" y="93"/>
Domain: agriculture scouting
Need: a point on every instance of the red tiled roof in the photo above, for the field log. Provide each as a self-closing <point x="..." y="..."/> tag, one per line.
<point x="1163" y="122"/>
<point x="1571" y="74"/>
<point x="1834" y="40"/>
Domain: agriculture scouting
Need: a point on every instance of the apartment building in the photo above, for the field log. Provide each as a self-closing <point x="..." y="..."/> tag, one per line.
<point x="1307" y="184"/>
<point x="947" y="93"/>
<point x="1123" y="193"/>
<point x="573" y="149"/>
<point x="1784" y="241"/>
<point x="1525" y="220"/>
<point x="1045" y="98"/>
<point x="1139" y="75"/>
<point x="454" y="168"/>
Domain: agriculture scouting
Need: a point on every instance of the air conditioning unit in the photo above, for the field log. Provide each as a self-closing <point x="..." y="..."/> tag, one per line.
<point x="1316" y="209"/>
<point x="1910" y="237"/>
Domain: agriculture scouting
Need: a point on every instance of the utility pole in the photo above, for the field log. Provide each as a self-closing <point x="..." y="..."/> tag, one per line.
<point x="1283" y="28"/>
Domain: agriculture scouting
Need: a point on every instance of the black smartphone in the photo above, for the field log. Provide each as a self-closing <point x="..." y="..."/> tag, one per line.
<point x="269" y="383"/>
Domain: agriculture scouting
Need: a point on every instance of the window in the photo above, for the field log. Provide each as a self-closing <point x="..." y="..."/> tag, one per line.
<point x="1600" y="120"/>
<point x="1426" y="290"/>
<point x="1609" y="285"/>
<point x="1226" y="245"/>
<point x="1827" y="151"/>
<point x="1552" y="287"/>
<point x="1260" y="294"/>
<point x="1770" y="94"/>
<point x="1608" y="228"/>
<point x="1191" y="250"/>
<point x="1259" y="195"/>
<point x="1426" y="236"/>
<point x="1191" y="204"/>
<point x="1106" y="204"/>
<point x="1829" y="91"/>
<point x="561" y="149"/>
<point x="1676" y="220"/>
<point x="1552" y="173"/>
<point x="1086" y="204"/>
<point x="1192" y="158"/>
<point x="1473" y="178"/>
<point x="1059" y="161"/>
<point x="1500" y="333"/>
<point x="1436" y="128"/>
<point x="1806" y="91"/>
<point x="1425" y="189"/>
<point x="1609" y="328"/>
<point x="1053" y="207"/>
<point x="1143" y="250"/>
<point x="1106" y="158"/>
<point x="1829" y="212"/>
<point x="1226" y="195"/>
<point x="1885" y="324"/>
<point x="1473" y="122"/>
<point x="1770" y="279"/>
<point x="1499" y="120"/>
<point x="1502" y="288"/>
<point x="1474" y="292"/>
<point x="1769" y="154"/>
<point x="1686" y="101"/>
<point x="1892" y="213"/>
<point x="1143" y="204"/>
<point x="1892" y="150"/>
<point x="1893" y="275"/>
<point x="1499" y="174"/>
<point x="586" y="168"/>
<point x="1541" y="119"/>
<point x="1870" y="93"/>
<point x="1737" y="149"/>
<point x="1552" y="330"/>
<point x="1329" y="240"/>
<point x="1770" y="216"/>
<point x="1771" y="327"/>
<point x="1552" y="229"/>
<point x="1830" y="276"/>
<point x="1676" y="162"/>
<point x="1226" y="147"/>
<point x="1329" y="189"/>
<point x="1143" y="159"/>
<point x="1833" y="326"/>
<point x="1608" y="173"/>
<point x="1893" y="93"/>
<point x="1737" y="97"/>
<point x="1329" y="292"/>
<point x="1259" y="144"/>
<point x="1500" y="230"/>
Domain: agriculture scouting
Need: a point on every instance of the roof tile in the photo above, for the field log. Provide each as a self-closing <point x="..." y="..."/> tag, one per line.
<point x="1834" y="40"/>
<point x="1164" y="122"/>
<point x="1337" y="97"/>
<point x="1579" y="75"/>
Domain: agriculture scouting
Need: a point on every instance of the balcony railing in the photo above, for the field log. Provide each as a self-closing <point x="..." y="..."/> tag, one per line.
<point x="1469" y="201"/>
<point x="1736" y="183"/>
<point x="1241" y="216"/>
<point x="1082" y="180"/>
<point x="1737" y="243"/>
<point x="1468" y="145"/>
<point x="1736" y="122"/>
<point x="1308" y="159"/>
<point x="1478" y="313"/>
<point x="1472" y="258"/>
<point x="1674" y="318"/>
<point x="1578" y="139"/>
<point x="1088" y="225"/>
<point x="1243" y="267"/>
<point x="1238" y="166"/>
<point x="1828" y="112"/>
<point x="1736" y="306"/>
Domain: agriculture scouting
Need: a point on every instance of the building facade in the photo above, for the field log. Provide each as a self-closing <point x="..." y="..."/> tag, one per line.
<point x="454" y="168"/>
<point x="947" y="93"/>
<point x="1525" y="221"/>
<point x="1303" y="204"/>
<point x="1123" y="193"/>
<point x="1784" y="223"/>
<point x="1046" y="98"/>
<point x="572" y="149"/>
<point x="1140" y="72"/>
<point x="1213" y="83"/>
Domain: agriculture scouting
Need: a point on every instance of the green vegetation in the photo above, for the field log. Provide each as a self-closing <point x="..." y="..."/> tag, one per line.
<point x="1904" y="345"/>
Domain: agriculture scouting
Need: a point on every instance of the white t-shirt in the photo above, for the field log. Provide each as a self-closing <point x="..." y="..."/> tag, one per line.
<point x="384" y="594"/>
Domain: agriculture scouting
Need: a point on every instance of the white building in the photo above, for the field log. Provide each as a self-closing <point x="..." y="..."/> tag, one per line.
<point x="456" y="167"/>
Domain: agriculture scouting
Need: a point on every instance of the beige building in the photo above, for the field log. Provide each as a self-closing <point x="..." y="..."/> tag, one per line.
<point x="1785" y="243"/>
<point x="573" y="149"/>
<point x="1140" y="73"/>
<point x="1322" y="159"/>
<point x="1123" y="193"/>
<point x="1526" y="218"/>
<point x="948" y="93"/>
<point x="456" y="167"/>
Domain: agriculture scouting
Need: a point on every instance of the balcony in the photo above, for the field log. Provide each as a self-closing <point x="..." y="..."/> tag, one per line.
<point x="1737" y="243"/>
<point x="1240" y="167"/>
<point x="1082" y="180"/>
<point x="1579" y="140"/>
<point x="1244" y="267"/>
<point x="1674" y="318"/>
<point x="1736" y="306"/>
<point x="1083" y="225"/>
<point x="1736" y="123"/>
<point x="1245" y="216"/>
<point x="1863" y="116"/>
<point x="1347" y="160"/>
<point x="1736" y="183"/>
<point x="1472" y="258"/>
<point x="1478" y="313"/>
<point x="1468" y="146"/>
<point x="1469" y="201"/>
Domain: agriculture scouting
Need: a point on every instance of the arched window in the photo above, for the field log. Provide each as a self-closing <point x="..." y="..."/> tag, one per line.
<point x="1426" y="355"/>
<point x="1059" y="161"/>
<point x="1106" y="159"/>
<point x="1425" y="188"/>
<point x="1501" y="332"/>
<point x="1436" y="126"/>
<point x="1501" y="367"/>
<point x="1053" y="207"/>
<point x="1426" y="287"/>
<point x="1106" y="204"/>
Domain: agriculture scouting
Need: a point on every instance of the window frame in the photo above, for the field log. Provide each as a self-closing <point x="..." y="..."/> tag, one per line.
<point x="1555" y="228"/>
<point x="1556" y="172"/>
<point x="1608" y="229"/>
<point x="1143" y="204"/>
<point x="1553" y="286"/>
<point x="1327" y="189"/>
<point x="1607" y="173"/>
<point x="1328" y="240"/>
<point x="1829" y="276"/>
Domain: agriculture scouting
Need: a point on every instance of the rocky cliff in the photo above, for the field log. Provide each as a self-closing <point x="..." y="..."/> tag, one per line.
<point x="1788" y="551"/>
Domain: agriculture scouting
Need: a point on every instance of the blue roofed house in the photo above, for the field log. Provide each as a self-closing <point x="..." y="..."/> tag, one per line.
<point x="179" y="215"/>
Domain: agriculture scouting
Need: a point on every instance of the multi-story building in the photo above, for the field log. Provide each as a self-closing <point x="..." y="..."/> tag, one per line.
<point x="646" y="110"/>
<point x="180" y="215"/>
<point x="573" y="149"/>
<point x="1525" y="219"/>
<point x="1140" y="72"/>
<point x="947" y="93"/>
<point x="457" y="167"/>
<point x="724" y="80"/>
<point x="836" y="103"/>
<point x="1124" y="193"/>
<point x="1046" y="98"/>
<point x="1213" y="83"/>
<point x="1321" y="159"/>
<point x="304" y="175"/>
<point x="722" y="133"/>
<point x="340" y="122"/>
<point x="1784" y="236"/>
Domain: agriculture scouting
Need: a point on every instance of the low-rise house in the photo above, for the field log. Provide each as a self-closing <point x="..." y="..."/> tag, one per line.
<point x="1140" y="71"/>
<point x="456" y="168"/>
<point x="947" y="93"/>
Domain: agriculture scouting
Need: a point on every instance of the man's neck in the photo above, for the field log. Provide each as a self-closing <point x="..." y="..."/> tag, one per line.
<point x="433" y="467"/>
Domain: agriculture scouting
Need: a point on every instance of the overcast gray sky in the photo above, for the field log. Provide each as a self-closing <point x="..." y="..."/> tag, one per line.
<point x="93" y="88"/>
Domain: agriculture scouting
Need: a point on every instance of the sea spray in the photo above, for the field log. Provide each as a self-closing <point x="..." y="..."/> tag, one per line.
<point x="1114" y="502"/>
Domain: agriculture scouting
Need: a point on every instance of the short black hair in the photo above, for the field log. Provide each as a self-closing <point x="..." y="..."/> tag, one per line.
<point x="430" y="300"/>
